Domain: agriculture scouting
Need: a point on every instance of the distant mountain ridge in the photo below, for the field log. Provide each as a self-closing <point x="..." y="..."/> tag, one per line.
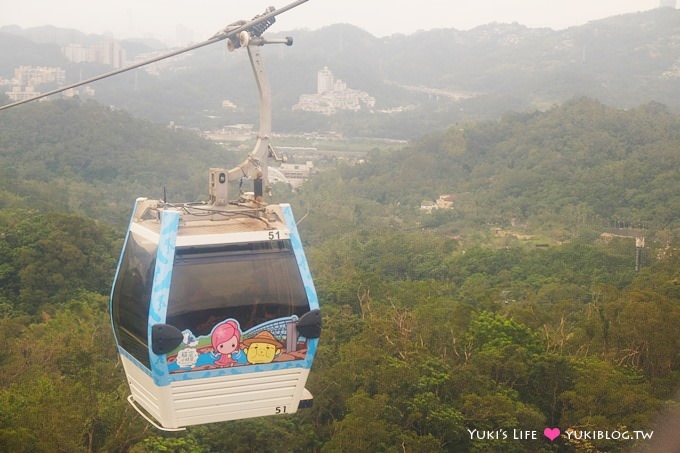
<point x="622" y="61"/>
<point x="64" y="36"/>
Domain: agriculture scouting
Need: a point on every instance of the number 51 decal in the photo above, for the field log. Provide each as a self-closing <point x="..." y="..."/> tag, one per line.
<point x="274" y="235"/>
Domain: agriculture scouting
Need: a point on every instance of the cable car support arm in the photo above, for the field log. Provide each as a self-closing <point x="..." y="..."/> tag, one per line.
<point x="255" y="166"/>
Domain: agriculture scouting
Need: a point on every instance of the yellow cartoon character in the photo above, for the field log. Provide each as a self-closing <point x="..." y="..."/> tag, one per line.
<point x="262" y="348"/>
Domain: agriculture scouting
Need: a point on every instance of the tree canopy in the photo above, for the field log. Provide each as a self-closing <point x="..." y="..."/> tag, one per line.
<point x="436" y="332"/>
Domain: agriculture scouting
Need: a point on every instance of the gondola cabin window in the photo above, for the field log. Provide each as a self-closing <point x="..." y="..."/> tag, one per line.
<point x="250" y="282"/>
<point x="131" y="296"/>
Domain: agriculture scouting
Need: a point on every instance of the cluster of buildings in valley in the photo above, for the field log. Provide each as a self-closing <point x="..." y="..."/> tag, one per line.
<point x="27" y="79"/>
<point x="332" y="95"/>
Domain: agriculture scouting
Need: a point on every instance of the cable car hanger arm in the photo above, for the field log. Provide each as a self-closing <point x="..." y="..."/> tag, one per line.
<point x="255" y="27"/>
<point x="257" y="159"/>
<point x="255" y="166"/>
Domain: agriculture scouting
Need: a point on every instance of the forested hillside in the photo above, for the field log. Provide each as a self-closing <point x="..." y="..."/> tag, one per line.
<point x="575" y="169"/>
<point x="435" y="334"/>
<point x="93" y="160"/>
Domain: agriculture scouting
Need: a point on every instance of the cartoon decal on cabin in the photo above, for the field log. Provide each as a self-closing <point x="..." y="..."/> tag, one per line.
<point x="226" y="346"/>
<point x="225" y="339"/>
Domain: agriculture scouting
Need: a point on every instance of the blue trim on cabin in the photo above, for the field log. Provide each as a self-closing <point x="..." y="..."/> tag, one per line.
<point x="300" y="256"/>
<point x="158" y="307"/>
<point x="305" y="273"/>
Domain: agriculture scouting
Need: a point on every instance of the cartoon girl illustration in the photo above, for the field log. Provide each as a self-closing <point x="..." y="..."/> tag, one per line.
<point x="226" y="339"/>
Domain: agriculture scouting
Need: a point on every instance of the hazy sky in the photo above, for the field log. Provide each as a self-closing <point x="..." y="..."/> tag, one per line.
<point x="199" y="19"/>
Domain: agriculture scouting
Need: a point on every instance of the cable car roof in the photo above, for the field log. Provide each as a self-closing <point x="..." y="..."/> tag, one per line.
<point x="211" y="224"/>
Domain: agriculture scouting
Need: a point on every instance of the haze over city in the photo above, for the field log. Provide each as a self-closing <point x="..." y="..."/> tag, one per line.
<point x="178" y="22"/>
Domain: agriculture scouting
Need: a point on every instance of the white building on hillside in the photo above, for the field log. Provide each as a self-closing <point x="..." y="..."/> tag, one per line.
<point x="333" y="95"/>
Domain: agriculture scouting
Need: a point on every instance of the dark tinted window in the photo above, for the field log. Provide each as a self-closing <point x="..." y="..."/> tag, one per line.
<point x="252" y="283"/>
<point x="131" y="297"/>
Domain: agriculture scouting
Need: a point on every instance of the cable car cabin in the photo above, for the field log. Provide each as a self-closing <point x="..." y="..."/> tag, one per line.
<point x="214" y="312"/>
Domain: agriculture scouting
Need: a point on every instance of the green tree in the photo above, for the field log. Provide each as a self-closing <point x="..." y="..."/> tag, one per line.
<point x="605" y="396"/>
<point x="61" y="388"/>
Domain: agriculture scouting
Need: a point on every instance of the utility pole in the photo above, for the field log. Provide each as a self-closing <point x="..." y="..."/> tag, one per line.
<point x="639" y="245"/>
